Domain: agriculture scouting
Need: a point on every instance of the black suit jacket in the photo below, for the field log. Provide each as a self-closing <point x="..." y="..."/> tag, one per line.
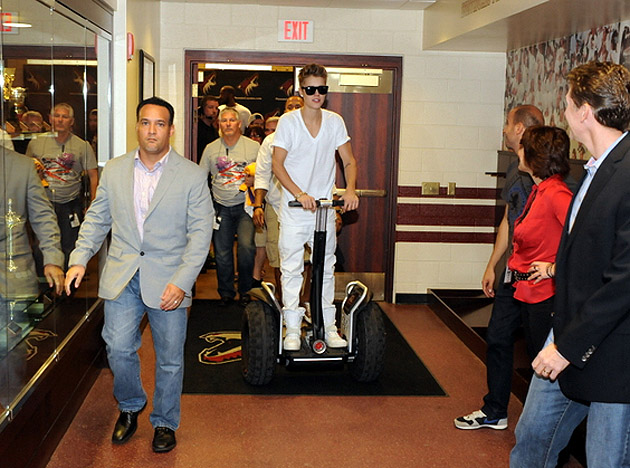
<point x="592" y="302"/>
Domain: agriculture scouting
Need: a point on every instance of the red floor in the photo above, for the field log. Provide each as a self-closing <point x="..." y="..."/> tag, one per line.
<point x="306" y="431"/>
<point x="259" y="431"/>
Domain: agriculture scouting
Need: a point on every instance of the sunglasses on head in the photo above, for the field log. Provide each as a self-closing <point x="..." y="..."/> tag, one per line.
<point x="310" y="90"/>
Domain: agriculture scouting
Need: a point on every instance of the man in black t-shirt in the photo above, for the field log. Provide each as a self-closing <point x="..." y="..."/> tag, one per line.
<point x="506" y="312"/>
<point x="207" y="130"/>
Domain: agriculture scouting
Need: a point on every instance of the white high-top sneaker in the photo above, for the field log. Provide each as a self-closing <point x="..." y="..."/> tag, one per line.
<point x="292" y="340"/>
<point x="293" y="321"/>
<point x="332" y="338"/>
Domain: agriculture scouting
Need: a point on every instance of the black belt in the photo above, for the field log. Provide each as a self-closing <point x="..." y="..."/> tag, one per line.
<point x="518" y="276"/>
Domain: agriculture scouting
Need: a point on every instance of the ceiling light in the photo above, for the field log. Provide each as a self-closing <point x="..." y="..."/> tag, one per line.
<point x="16" y="25"/>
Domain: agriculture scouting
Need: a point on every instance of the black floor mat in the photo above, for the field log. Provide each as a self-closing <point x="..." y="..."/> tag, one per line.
<point x="213" y="366"/>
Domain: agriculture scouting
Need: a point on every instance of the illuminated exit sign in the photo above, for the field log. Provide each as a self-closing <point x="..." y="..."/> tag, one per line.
<point x="295" y="31"/>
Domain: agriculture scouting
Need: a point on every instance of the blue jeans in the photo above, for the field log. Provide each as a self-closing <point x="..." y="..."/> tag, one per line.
<point x="234" y="220"/>
<point x="504" y="321"/>
<point x="549" y="418"/>
<point x="122" y="336"/>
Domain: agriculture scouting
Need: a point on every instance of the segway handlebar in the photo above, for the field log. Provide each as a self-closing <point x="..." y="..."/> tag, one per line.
<point x="319" y="203"/>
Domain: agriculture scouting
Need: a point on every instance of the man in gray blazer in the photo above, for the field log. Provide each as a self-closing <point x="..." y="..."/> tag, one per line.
<point x="22" y="199"/>
<point x="157" y="205"/>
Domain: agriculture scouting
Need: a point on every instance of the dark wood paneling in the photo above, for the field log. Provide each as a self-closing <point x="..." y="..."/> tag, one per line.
<point x="446" y="237"/>
<point x="446" y="215"/>
<point x="363" y="238"/>
<point x="461" y="192"/>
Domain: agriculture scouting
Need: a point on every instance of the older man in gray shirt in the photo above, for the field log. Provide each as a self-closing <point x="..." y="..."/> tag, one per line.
<point x="65" y="158"/>
<point x="225" y="159"/>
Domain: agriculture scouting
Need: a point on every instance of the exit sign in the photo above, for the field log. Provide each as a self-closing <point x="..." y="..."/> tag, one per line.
<point x="295" y="31"/>
<point x="8" y="20"/>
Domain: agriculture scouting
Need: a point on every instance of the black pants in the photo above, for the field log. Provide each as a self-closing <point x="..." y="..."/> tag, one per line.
<point x="505" y="320"/>
<point x="66" y="214"/>
<point x="536" y="323"/>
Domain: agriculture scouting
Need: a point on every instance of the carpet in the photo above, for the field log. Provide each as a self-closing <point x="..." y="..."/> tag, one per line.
<point x="213" y="366"/>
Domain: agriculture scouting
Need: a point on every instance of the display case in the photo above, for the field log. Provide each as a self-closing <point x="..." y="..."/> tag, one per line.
<point x="49" y="55"/>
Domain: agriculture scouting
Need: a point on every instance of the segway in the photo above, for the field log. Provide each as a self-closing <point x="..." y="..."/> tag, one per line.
<point x="361" y="324"/>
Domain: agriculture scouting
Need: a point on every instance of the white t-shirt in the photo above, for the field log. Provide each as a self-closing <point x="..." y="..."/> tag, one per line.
<point x="310" y="161"/>
<point x="264" y="176"/>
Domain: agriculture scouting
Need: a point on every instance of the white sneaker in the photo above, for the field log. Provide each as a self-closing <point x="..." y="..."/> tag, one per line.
<point x="292" y="342"/>
<point x="478" y="419"/>
<point x="333" y="340"/>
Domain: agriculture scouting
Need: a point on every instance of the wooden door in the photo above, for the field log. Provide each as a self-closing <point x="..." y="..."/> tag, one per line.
<point x="373" y="122"/>
<point x="365" y="238"/>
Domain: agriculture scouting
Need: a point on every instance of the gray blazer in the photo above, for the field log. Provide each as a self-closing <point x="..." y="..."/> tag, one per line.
<point x="177" y="229"/>
<point x="20" y="183"/>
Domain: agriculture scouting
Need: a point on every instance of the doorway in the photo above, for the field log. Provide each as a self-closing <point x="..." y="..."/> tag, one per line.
<point x="373" y="121"/>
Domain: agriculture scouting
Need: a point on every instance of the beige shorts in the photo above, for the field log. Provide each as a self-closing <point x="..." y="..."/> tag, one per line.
<point x="272" y="232"/>
<point x="260" y="237"/>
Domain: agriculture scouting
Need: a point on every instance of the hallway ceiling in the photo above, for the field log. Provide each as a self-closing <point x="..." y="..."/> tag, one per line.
<point x="549" y="20"/>
<point x="371" y="4"/>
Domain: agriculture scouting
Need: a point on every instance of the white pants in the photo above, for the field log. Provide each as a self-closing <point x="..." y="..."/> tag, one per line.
<point x="291" y="248"/>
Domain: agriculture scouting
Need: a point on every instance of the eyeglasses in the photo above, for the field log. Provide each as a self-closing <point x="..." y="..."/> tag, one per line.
<point x="310" y="90"/>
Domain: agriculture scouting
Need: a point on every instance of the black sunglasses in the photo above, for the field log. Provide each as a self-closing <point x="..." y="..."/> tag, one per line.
<point x="310" y="90"/>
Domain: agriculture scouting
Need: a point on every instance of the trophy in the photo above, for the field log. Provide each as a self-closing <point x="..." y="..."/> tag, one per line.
<point x="16" y="97"/>
<point x="12" y="220"/>
<point x="9" y="78"/>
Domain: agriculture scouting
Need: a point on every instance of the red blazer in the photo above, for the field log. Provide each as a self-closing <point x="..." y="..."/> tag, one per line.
<point x="537" y="235"/>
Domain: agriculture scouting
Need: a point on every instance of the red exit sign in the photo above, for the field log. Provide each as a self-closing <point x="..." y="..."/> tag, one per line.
<point x="7" y="19"/>
<point x="295" y="31"/>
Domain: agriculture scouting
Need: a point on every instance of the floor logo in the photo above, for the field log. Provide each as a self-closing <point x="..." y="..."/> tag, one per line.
<point x="225" y="347"/>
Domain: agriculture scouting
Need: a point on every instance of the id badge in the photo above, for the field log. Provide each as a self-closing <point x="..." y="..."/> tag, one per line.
<point x="74" y="220"/>
<point x="507" y="278"/>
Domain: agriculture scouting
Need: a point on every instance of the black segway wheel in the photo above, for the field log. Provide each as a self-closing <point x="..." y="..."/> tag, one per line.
<point x="259" y="343"/>
<point x="369" y="344"/>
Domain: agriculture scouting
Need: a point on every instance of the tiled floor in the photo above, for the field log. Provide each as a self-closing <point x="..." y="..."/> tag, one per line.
<point x="307" y="431"/>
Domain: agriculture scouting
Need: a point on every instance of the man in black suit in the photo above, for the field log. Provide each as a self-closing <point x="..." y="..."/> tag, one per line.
<point x="584" y="369"/>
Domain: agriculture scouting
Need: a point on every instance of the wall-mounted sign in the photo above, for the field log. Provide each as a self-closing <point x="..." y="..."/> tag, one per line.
<point x="295" y="31"/>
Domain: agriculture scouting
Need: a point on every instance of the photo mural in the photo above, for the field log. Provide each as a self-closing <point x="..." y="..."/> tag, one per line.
<point x="537" y="74"/>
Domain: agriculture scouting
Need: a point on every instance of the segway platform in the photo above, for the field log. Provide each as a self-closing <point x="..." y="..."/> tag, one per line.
<point x="361" y="324"/>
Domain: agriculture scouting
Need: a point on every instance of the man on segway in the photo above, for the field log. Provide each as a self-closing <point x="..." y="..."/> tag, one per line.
<point x="304" y="163"/>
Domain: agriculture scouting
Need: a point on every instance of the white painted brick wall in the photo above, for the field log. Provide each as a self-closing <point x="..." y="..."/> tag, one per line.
<point x="452" y="104"/>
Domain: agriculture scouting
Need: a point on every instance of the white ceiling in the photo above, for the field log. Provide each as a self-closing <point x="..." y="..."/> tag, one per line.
<point x="371" y="4"/>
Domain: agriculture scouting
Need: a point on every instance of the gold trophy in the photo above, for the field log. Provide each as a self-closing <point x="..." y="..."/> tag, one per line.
<point x="12" y="220"/>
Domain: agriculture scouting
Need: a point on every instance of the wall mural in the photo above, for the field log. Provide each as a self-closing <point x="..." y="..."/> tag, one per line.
<point x="537" y="74"/>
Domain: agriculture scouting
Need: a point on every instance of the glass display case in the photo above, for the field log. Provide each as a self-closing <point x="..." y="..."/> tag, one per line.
<point x="55" y="69"/>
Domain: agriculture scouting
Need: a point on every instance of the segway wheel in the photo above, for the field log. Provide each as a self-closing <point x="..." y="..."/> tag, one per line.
<point x="369" y="344"/>
<point x="259" y="343"/>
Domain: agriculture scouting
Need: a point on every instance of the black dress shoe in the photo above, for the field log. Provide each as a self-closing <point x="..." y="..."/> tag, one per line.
<point x="244" y="300"/>
<point x="126" y="426"/>
<point x="164" y="439"/>
<point x="225" y="301"/>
